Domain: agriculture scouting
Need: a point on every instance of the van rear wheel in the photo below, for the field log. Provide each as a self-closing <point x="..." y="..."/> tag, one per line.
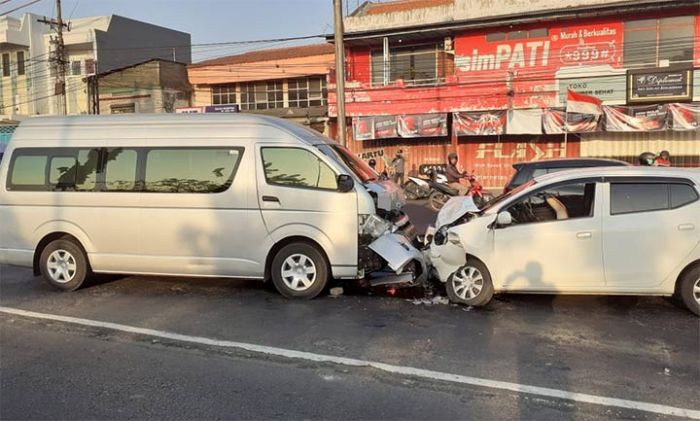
<point x="299" y="270"/>
<point x="64" y="264"/>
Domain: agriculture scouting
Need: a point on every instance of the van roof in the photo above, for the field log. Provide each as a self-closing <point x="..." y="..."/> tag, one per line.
<point x="175" y="122"/>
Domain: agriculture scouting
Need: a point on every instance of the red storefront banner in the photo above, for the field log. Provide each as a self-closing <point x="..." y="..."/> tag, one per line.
<point x="422" y="125"/>
<point x="493" y="161"/>
<point x="684" y="116"/>
<point x="479" y="123"/>
<point x="375" y="127"/>
<point x="553" y="122"/>
<point x="635" y="119"/>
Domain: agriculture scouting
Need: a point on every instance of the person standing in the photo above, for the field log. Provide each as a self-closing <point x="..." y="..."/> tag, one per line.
<point x="399" y="165"/>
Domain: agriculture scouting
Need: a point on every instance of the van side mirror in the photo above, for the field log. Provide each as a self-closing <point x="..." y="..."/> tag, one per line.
<point x="504" y="219"/>
<point x="345" y="183"/>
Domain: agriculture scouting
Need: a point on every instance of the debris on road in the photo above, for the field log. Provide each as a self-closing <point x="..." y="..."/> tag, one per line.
<point x="436" y="300"/>
<point x="336" y="292"/>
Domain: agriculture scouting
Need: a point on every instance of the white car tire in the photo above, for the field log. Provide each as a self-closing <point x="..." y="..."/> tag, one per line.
<point x="470" y="284"/>
<point x="690" y="289"/>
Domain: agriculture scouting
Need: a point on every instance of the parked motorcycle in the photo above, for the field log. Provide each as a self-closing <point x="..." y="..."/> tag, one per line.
<point x="420" y="188"/>
<point x="443" y="193"/>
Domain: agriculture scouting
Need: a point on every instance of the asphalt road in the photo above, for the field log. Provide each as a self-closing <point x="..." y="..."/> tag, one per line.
<point x="639" y="349"/>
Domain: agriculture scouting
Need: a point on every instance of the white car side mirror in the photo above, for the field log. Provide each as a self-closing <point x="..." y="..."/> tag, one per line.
<point x="504" y="219"/>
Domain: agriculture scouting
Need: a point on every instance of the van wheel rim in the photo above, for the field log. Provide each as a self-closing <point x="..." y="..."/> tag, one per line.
<point x="298" y="272"/>
<point x="696" y="291"/>
<point x="468" y="282"/>
<point x="61" y="266"/>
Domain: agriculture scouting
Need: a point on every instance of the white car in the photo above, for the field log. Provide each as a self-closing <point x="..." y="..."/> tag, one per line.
<point x="612" y="231"/>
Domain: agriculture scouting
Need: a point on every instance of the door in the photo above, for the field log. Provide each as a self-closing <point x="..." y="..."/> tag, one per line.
<point x="298" y="195"/>
<point x="554" y="242"/>
<point x="649" y="227"/>
<point x="196" y="215"/>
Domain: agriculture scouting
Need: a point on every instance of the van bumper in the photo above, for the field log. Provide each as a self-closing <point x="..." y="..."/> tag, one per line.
<point x="344" y="272"/>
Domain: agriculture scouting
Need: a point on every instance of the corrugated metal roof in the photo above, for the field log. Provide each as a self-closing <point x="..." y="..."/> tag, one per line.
<point x="270" y="54"/>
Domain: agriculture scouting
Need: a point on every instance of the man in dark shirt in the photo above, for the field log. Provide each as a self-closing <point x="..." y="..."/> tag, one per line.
<point x="454" y="175"/>
<point x="399" y="164"/>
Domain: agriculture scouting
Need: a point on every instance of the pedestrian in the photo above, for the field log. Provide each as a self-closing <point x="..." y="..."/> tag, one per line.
<point x="454" y="175"/>
<point x="399" y="165"/>
<point x="663" y="160"/>
<point x="647" y="159"/>
<point x="373" y="164"/>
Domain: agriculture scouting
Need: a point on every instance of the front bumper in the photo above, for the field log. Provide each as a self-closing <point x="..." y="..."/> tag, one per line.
<point x="446" y="259"/>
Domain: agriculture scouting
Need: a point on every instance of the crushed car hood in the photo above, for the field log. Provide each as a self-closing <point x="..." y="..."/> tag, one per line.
<point x="454" y="209"/>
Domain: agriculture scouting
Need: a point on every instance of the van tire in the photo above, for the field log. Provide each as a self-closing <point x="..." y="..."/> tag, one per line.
<point x="64" y="264"/>
<point x="458" y="284"/>
<point x="300" y="270"/>
<point x="690" y="289"/>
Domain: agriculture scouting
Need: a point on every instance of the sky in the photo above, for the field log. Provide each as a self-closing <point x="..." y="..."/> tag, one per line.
<point x="209" y="20"/>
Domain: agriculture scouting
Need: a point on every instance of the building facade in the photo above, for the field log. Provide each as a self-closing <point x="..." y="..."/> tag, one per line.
<point x="489" y="80"/>
<point x="93" y="45"/>
<point x="284" y="82"/>
<point x="154" y="86"/>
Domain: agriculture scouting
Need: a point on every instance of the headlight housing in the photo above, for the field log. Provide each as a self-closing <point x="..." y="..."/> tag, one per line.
<point x="373" y="225"/>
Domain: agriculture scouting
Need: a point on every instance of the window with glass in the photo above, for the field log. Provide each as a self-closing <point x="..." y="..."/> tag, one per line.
<point x="415" y="64"/>
<point x="307" y="92"/>
<point x="62" y="169"/>
<point x="20" y="63"/>
<point x="89" y="66"/>
<point x="649" y="41"/>
<point x="76" y="68"/>
<point x="294" y="167"/>
<point x="183" y="170"/>
<point x="120" y="169"/>
<point x="223" y="94"/>
<point x="6" y="64"/>
<point x="254" y="96"/>
<point x="559" y="202"/>
<point x="648" y="197"/>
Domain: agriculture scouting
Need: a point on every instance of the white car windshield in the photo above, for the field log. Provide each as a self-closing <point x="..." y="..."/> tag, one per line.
<point x="500" y="199"/>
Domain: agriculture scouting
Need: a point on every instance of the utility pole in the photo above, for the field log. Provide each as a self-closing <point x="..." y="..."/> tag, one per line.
<point x="340" y="71"/>
<point x="59" y="57"/>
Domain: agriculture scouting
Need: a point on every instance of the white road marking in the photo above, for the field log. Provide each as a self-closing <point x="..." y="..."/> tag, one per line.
<point x="390" y="368"/>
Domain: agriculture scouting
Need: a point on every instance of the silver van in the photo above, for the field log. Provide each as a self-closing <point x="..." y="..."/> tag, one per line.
<point x="197" y="195"/>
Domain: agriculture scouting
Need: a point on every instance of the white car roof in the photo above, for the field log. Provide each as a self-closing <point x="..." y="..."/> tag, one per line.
<point x="623" y="171"/>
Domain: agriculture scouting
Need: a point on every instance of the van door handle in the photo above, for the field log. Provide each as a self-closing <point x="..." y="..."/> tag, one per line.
<point x="583" y="235"/>
<point x="686" y="227"/>
<point x="270" y="199"/>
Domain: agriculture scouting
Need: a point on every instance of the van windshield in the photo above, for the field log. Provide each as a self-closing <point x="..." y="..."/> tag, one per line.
<point x="358" y="166"/>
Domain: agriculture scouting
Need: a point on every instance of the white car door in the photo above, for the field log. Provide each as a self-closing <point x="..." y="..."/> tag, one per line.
<point x="554" y="242"/>
<point x="649" y="227"/>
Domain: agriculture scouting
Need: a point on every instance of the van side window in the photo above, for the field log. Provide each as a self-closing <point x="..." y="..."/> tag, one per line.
<point x="28" y="172"/>
<point x="295" y="167"/>
<point x="638" y="197"/>
<point x="74" y="171"/>
<point x="120" y="169"/>
<point x="568" y="201"/>
<point x="190" y="170"/>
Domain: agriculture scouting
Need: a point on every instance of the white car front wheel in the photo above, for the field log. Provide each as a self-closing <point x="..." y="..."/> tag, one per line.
<point x="470" y="284"/>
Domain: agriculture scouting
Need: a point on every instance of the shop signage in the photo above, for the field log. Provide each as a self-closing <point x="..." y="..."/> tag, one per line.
<point x="479" y="123"/>
<point x="232" y="108"/>
<point x="635" y="119"/>
<point x="662" y="84"/>
<point x="189" y="110"/>
<point x="610" y="89"/>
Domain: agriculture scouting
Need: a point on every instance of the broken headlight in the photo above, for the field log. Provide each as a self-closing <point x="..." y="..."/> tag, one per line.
<point x="374" y="226"/>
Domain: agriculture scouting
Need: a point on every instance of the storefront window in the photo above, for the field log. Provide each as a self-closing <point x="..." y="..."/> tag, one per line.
<point x="415" y="64"/>
<point x="649" y="41"/>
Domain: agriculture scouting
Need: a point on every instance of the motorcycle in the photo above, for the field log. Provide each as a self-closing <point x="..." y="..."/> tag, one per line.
<point x="443" y="193"/>
<point x="420" y="188"/>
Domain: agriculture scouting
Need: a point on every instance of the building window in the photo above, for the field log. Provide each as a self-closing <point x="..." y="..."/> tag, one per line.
<point x="415" y="65"/>
<point x="223" y="94"/>
<point x="275" y="94"/>
<point x="75" y="68"/>
<point x="123" y="108"/>
<point x="254" y="96"/>
<point x="6" y="64"/>
<point x="649" y="41"/>
<point x="307" y="92"/>
<point x="20" y="62"/>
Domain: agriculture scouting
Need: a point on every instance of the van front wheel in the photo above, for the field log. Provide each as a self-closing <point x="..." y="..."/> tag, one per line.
<point x="299" y="270"/>
<point x="64" y="265"/>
